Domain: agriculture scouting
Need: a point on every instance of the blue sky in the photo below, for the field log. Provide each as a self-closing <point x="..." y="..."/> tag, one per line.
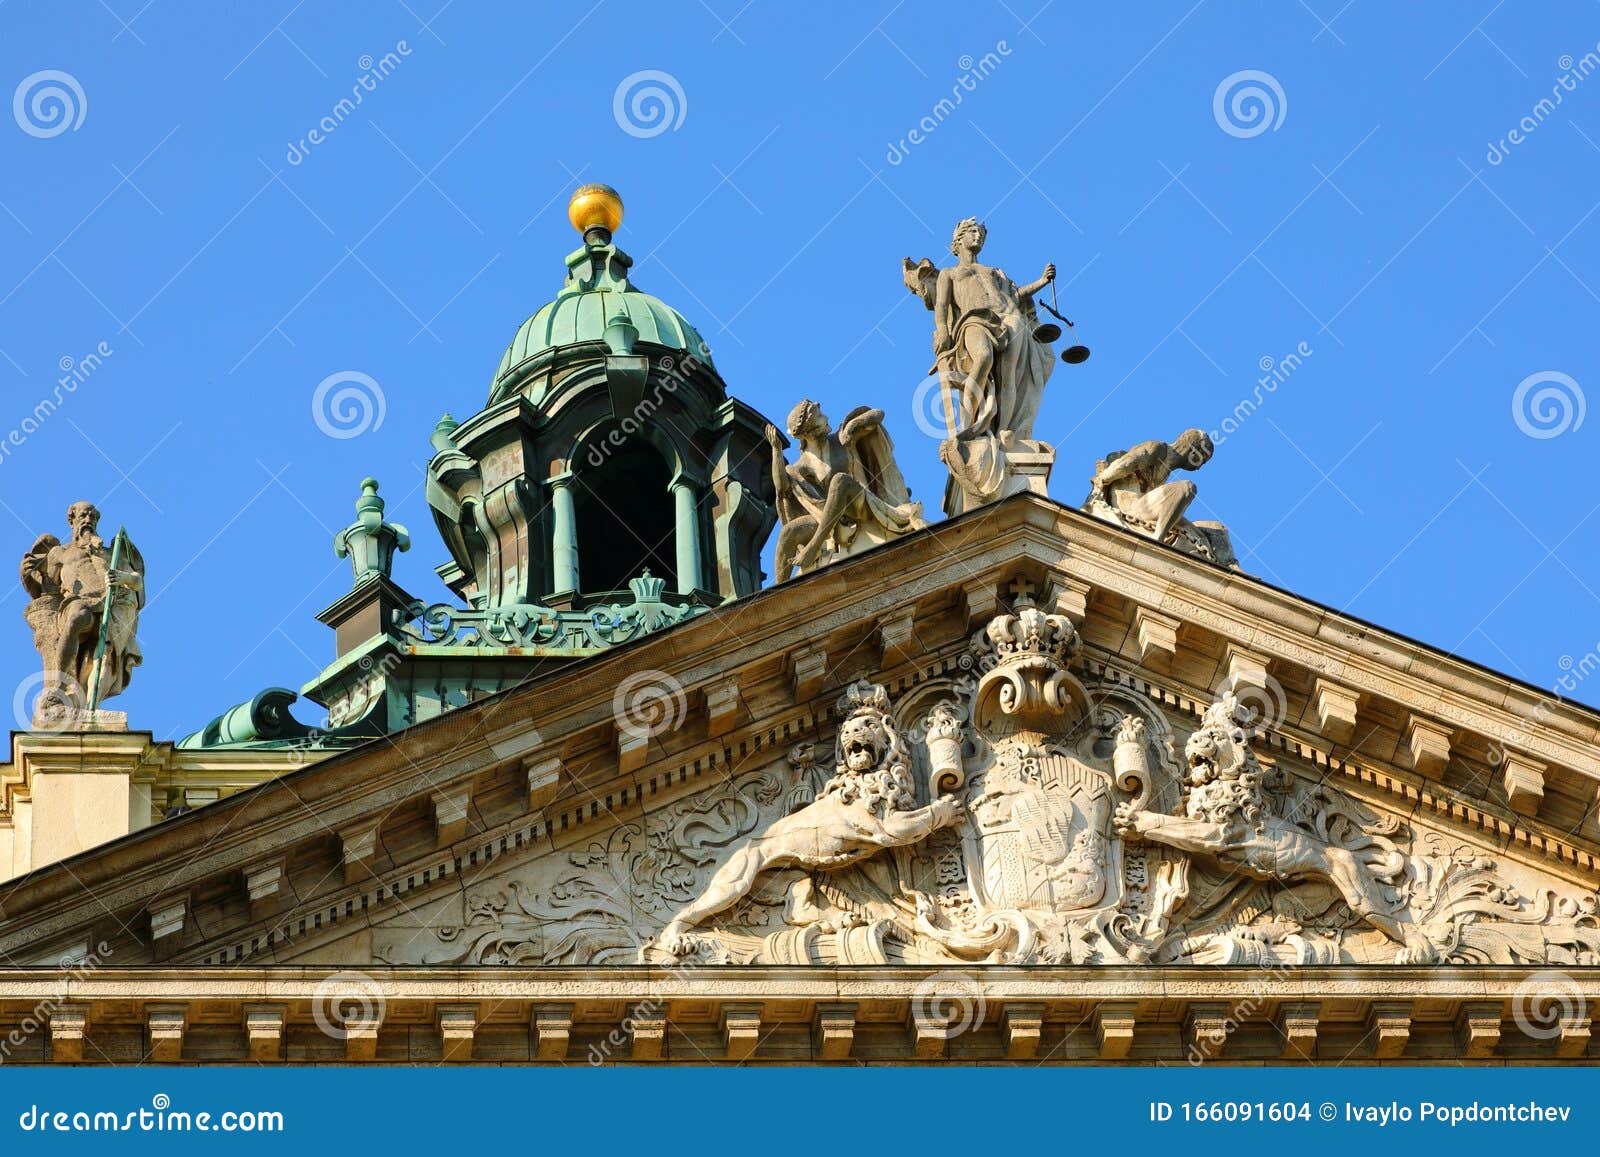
<point x="229" y="270"/>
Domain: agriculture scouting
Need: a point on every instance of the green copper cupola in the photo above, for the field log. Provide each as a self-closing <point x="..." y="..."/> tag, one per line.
<point x="610" y="488"/>
<point x="609" y="446"/>
<point x="598" y="306"/>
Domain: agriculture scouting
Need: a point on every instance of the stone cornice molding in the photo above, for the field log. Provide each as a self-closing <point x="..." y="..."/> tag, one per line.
<point x="1082" y="1015"/>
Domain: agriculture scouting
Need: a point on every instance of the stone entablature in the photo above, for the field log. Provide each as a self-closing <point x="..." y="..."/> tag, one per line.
<point x="868" y="1015"/>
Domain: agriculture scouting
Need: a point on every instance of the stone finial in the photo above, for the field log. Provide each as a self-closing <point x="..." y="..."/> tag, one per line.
<point x="87" y="595"/>
<point x="443" y="436"/>
<point x="370" y="542"/>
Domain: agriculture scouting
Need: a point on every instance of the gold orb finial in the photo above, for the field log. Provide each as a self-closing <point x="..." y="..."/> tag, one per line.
<point x="595" y="205"/>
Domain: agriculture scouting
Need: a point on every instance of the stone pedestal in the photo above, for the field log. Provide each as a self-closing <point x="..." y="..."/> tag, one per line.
<point x="372" y="608"/>
<point x="1027" y="471"/>
<point x="73" y="790"/>
<point x="1030" y="470"/>
<point x="83" y="719"/>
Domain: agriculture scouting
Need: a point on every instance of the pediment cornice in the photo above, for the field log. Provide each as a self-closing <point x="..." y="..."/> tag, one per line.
<point x="897" y="614"/>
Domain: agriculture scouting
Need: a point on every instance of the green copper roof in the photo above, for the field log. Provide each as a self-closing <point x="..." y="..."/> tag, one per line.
<point x="583" y="316"/>
<point x="597" y="293"/>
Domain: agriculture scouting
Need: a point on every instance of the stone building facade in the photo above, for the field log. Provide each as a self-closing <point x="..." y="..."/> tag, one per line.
<point x="1032" y="784"/>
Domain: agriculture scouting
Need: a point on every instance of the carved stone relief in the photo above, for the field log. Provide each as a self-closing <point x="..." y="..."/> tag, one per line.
<point x="1011" y="813"/>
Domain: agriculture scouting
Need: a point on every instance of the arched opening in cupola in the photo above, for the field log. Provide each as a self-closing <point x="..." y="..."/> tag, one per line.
<point x="624" y="518"/>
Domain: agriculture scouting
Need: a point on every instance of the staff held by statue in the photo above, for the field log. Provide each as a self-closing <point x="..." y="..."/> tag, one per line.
<point x="117" y="551"/>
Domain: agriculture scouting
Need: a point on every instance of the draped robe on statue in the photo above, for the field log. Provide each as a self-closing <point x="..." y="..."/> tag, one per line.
<point x="993" y="416"/>
<point x="1000" y="415"/>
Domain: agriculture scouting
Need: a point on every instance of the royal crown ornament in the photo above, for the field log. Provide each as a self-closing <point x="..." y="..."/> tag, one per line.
<point x="1025" y="685"/>
<point x="647" y="587"/>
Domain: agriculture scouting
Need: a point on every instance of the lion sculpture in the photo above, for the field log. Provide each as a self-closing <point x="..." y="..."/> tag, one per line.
<point x="868" y="805"/>
<point x="1228" y="818"/>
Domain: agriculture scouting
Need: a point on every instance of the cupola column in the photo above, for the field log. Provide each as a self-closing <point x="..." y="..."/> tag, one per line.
<point x="686" y="504"/>
<point x="564" y="533"/>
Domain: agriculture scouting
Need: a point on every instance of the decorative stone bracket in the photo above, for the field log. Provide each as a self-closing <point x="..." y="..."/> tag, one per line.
<point x="168" y="918"/>
<point x="1428" y="744"/>
<point x="1158" y="638"/>
<point x="358" y="847"/>
<point x="808" y="666"/>
<point x="544" y="780"/>
<point x="265" y="885"/>
<point x="723" y="706"/>
<point x="1336" y="710"/>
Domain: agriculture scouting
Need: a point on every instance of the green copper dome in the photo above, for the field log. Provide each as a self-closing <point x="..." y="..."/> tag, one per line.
<point x="597" y="298"/>
<point x="583" y="317"/>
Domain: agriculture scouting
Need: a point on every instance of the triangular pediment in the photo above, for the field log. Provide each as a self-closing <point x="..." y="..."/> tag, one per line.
<point x="1437" y="810"/>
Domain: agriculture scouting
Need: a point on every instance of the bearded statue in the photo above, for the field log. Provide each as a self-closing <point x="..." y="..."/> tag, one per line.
<point x="83" y="591"/>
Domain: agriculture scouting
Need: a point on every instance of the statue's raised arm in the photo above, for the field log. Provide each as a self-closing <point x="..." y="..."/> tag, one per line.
<point x="36" y="577"/>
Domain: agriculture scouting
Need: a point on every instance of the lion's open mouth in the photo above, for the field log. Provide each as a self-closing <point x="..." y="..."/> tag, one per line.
<point x="1203" y="762"/>
<point x="859" y="754"/>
